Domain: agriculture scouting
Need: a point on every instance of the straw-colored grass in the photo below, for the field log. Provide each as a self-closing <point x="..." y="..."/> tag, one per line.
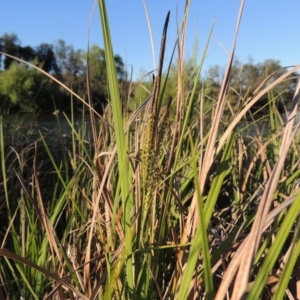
<point x="155" y="205"/>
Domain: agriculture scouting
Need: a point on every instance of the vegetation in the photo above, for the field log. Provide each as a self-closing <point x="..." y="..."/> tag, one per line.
<point x="176" y="199"/>
<point x="24" y="89"/>
<point x="245" y="79"/>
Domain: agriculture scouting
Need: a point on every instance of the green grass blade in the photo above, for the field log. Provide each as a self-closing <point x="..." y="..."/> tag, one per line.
<point x="288" y="269"/>
<point x="200" y="241"/>
<point x="120" y="139"/>
<point x="273" y="254"/>
<point x="2" y="158"/>
<point x="208" y="279"/>
<point x="215" y="189"/>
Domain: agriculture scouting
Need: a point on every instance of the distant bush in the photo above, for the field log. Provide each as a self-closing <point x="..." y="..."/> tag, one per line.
<point x="25" y="88"/>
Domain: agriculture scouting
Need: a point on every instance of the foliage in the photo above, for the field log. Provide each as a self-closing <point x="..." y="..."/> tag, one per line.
<point x="25" y="87"/>
<point x="247" y="78"/>
<point x="145" y="84"/>
<point x="46" y="57"/>
<point x="66" y="64"/>
<point x="70" y="66"/>
<point x="9" y="44"/>
<point x="97" y="65"/>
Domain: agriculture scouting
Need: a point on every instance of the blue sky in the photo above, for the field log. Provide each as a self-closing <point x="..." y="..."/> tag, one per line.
<point x="268" y="30"/>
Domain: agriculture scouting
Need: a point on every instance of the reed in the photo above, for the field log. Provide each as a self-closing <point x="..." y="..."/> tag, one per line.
<point x="149" y="204"/>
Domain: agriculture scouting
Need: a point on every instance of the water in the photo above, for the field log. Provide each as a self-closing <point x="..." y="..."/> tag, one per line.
<point x="28" y="128"/>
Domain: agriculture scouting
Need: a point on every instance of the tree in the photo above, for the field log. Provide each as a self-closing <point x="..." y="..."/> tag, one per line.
<point x="60" y="51"/>
<point x="46" y="56"/>
<point x="143" y="90"/>
<point x="97" y="74"/>
<point x="26" y="88"/>
<point x="97" y="69"/>
<point x="246" y="78"/>
<point x="71" y="66"/>
<point x="10" y="45"/>
<point x="62" y="61"/>
<point x="26" y="53"/>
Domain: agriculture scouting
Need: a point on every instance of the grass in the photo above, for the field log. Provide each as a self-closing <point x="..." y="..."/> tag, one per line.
<point x="155" y="205"/>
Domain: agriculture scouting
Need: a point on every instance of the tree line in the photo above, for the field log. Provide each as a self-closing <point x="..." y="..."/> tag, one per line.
<point x="25" y="89"/>
<point x="245" y="80"/>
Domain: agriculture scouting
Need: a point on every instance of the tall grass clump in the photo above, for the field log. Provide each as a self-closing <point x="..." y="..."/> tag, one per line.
<point x="187" y="199"/>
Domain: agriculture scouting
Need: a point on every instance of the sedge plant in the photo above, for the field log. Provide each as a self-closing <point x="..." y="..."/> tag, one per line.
<point x="186" y="199"/>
